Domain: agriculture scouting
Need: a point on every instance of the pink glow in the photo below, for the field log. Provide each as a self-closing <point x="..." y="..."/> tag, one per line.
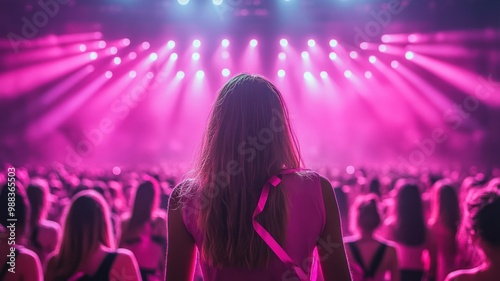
<point x="333" y="43"/>
<point x="363" y="46"/>
<point x="368" y="74"/>
<point x="132" y="74"/>
<point x="347" y="74"/>
<point x="353" y="54"/>
<point x="382" y="48"/>
<point x="145" y="45"/>
<point x="171" y="44"/>
<point x="132" y="55"/>
<point x="332" y="56"/>
<point x="101" y="44"/>
<point x="225" y="43"/>
<point x="125" y="42"/>
<point x="113" y="50"/>
<point x="180" y="74"/>
<point x="372" y="59"/>
<point x="311" y="43"/>
<point x="281" y="73"/>
<point x="82" y="48"/>
<point x="117" y="60"/>
<point x="283" y="42"/>
<point x="108" y="74"/>
<point x="281" y="56"/>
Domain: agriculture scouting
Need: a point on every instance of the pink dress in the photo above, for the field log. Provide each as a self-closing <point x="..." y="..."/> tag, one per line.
<point x="306" y="220"/>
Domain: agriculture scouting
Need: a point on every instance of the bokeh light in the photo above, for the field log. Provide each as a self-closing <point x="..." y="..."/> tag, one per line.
<point x="409" y="55"/>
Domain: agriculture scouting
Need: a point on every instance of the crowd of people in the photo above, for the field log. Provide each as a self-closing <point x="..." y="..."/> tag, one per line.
<point x="93" y="227"/>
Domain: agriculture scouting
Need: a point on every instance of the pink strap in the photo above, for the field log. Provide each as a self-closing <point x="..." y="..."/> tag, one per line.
<point x="266" y="236"/>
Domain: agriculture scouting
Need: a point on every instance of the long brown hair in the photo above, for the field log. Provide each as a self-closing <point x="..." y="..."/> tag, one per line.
<point x="445" y="206"/>
<point x="146" y="200"/>
<point x="248" y="139"/>
<point x="410" y="228"/>
<point x="87" y="225"/>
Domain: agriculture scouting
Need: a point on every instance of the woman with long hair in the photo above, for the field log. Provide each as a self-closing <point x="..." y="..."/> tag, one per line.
<point x="144" y="230"/>
<point x="248" y="209"/>
<point x="482" y="221"/>
<point x="443" y="227"/>
<point x="407" y="228"/>
<point x="86" y="250"/>
<point x="43" y="234"/>
<point x="17" y="263"/>
<point x="370" y="257"/>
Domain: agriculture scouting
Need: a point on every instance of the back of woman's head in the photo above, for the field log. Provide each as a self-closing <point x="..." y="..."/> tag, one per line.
<point x="483" y="216"/>
<point x="445" y="206"/>
<point x="247" y="140"/>
<point x="86" y="227"/>
<point x="145" y="202"/>
<point x="14" y="206"/>
<point x="410" y="226"/>
<point x="38" y="195"/>
<point x="366" y="215"/>
<point x="374" y="187"/>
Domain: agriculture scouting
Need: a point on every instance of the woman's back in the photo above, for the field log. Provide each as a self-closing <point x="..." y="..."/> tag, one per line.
<point x="148" y="244"/>
<point x="306" y="220"/>
<point x="371" y="256"/>
<point x="446" y="249"/>
<point x="43" y="239"/>
<point x="26" y="266"/>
